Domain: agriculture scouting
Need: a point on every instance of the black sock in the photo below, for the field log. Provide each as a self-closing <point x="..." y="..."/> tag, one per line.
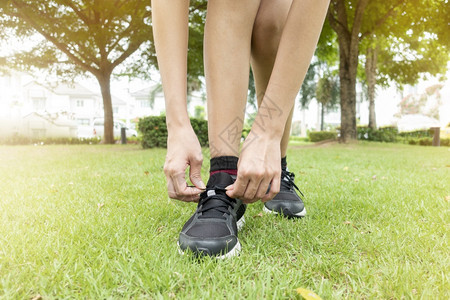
<point x="284" y="163"/>
<point x="227" y="164"/>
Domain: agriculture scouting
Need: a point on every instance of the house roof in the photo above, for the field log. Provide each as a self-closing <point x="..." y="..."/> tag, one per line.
<point x="74" y="89"/>
<point x="145" y="92"/>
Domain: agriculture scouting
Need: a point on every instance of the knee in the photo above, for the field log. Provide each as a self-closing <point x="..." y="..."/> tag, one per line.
<point x="266" y="34"/>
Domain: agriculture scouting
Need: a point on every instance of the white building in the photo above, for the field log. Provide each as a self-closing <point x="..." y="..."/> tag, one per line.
<point x="23" y="101"/>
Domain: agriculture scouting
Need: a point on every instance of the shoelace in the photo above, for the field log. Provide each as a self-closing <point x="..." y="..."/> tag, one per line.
<point x="287" y="181"/>
<point x="219" y="206"/>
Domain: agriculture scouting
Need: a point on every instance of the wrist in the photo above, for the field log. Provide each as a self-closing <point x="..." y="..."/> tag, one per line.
<point x="272" y="130"/>
<point x="178" y="123"/>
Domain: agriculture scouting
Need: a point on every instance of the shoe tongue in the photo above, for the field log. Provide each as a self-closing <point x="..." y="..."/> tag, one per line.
<point x="220" y="179"/>
<point x="210" y="211"/>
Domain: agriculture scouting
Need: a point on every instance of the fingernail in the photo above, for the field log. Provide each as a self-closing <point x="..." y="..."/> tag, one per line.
<point x="229" y="187"/>
<point x="202" y="185"/>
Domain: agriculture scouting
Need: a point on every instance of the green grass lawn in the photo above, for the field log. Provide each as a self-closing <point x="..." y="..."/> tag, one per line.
<point x="95" y="222"/>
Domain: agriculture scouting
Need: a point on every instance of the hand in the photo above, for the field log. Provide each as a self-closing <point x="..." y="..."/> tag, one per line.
<point x="259" y="169"/>
<point x="183" y="150"/>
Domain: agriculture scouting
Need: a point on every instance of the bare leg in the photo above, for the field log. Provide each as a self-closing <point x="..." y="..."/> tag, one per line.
<point x="228" y="31"/>
<point x="267" y="30"/>
<point x="261" y="156"/>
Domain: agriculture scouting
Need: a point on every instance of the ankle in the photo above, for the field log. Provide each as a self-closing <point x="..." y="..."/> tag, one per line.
<point x="225" y="164"/>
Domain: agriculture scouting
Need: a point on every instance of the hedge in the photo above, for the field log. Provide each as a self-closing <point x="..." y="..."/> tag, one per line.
<point x="154" y="131"/>
<point x="317" y="136"/>
<point x="383" y="134"/>
<point x="427" y="141"/>
<point x="417" y="133"/>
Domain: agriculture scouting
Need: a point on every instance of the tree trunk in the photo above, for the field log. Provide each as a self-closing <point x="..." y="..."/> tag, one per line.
<point x="318" y="116"/>
<point x="348" y="39"/>
<point x="303" y="124"/>
<point x="322" y="117"/>
<point x="104" y="81"/>
<point x="370" y="68"/>
<point x="347" y="75"/>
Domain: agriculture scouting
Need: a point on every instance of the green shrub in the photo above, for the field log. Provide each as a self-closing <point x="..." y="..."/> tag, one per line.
<point x="417" y="133"/>
<point x="317" y="136"/>
<point x="298" y="139"/>
<point x="154" y="131"/>
<point x="412" y="141"/>
<point x="426" y="141"/>
<point x="445" y="142"/>
<point x="245" y="132"/>
<point x="386" y="134"/>
<point x="200" y="127"/>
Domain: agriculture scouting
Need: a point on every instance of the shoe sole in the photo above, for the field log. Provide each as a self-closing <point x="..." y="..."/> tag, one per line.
<point x="298" y="215"/>
<point x="234" y="252"/>
<point x="240" y="223"/>
<point x="236" y="249"/>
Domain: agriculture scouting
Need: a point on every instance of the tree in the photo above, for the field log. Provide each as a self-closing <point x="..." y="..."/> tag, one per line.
<point x="309" y="86"/>
<point x="80" y="36"/>
<point x="356" y="20"/>
<point x="405" y="49"/>
<point x="370" y="72"/>
<point x="327" y="94"/>
<point x="197" y="16"/>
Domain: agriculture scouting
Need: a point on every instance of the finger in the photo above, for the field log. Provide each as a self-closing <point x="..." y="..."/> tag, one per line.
<point x="182" y="190"/>
<point x="274" y="189"/>
<point x="170" y="189"/>
<point x="191" y="198"/>
<point x="239" y="188"/>
<point x="263" y="189"/>
<point x="179" y="181"/>
<point x="195" y="175"/>
<point x="252" y="188"/>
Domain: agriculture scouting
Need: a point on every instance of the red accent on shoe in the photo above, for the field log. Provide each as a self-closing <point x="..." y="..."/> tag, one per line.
<point x="231" y="172"/>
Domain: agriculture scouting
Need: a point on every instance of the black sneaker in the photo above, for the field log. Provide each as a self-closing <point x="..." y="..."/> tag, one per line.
<point x="287" y="202"/>
<point x="213" y="229"/>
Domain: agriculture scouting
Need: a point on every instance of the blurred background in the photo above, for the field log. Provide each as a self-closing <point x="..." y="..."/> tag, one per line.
<point x="81" y="68"/>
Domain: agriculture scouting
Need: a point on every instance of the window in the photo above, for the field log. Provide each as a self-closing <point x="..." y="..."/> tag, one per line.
<point x="83" y="122"/>
<point x="115" y="110"/>
<point x="38" y="104"/>
<point x="145" y="103"/>
<point x="80" y="103"/>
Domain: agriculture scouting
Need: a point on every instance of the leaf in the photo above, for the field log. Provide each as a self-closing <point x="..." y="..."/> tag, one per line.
<point x="356" y="179"/>
<point x="307" y="294"/>
<point x="447" y="198"/>
<point x="37" y="297"/>
<point x="345" y="168"/>
<point x="258" y="215"/>
<point x="374" y="177"/>
<point x="100" y="205"/>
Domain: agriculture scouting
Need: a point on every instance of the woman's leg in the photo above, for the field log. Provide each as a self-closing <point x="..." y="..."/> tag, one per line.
<point x="269" y="24"/>
<point x="228" y="31"/>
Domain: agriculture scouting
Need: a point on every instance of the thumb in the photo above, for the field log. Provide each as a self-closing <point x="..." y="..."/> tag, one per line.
<point x="195" y="176"/>
<point x="230" y="190"/>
